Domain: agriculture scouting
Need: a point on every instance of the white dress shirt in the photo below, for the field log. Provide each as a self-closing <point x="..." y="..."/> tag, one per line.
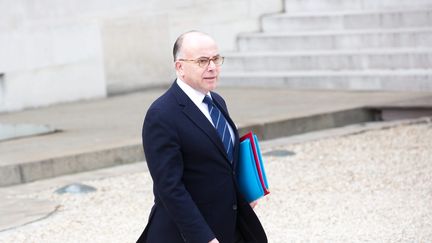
<point x="197" y="98"/>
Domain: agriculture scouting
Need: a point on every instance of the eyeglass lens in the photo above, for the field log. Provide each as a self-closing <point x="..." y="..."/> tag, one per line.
<point x="218" y="60"/>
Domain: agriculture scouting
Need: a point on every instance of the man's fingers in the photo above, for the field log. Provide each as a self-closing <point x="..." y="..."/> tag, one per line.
<point x="253" y="204"/>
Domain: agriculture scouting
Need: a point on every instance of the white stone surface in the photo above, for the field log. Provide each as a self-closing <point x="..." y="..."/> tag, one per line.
<point x="331" y="5"/>
<point x="44" y="65"/>
<point x="132" y="40"/>
<point x="337" y="40"/>
<point x="63" y="83"/>
<point x="397" y="80"/>
<point x="138" y="46"/>
<point x="12" y="131"/>
<point x="369" y="187"/>
<point x="338" y="20"/>
<point x="420" y="58"/>
<point x="334" y="44"/>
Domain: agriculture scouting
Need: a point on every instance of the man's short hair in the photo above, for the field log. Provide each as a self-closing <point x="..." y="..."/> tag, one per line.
<point x="179" y="42"/>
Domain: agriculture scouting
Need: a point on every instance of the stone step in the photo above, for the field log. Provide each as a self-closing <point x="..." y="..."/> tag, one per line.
<point x="339" y="5"/>
<point x="330" y="60"/>
<point x="401" y="18"/>
<point x="324" y="40"/>
<point x="394" y="80"/>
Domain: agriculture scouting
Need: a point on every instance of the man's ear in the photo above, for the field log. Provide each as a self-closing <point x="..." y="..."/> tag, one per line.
<point x="179" y="68"/>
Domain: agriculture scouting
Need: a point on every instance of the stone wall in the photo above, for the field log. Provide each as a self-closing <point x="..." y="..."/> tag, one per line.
<point x="58" y="51"/>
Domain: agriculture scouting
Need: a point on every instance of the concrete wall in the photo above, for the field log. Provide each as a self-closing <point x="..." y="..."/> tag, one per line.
<point x="57" y="51"/>
<point x="137" y="47"/>
<point x="45" y="60"/>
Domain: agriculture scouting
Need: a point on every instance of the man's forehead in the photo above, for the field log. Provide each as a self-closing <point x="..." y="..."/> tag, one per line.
<point x="194" y="37"/>
<point x="200" y="49"/>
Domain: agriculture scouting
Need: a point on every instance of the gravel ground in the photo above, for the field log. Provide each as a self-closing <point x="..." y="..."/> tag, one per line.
<point x="370" y="187"/>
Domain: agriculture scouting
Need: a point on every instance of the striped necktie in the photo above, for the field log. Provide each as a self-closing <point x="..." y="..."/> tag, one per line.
<point x="221" y="125"/>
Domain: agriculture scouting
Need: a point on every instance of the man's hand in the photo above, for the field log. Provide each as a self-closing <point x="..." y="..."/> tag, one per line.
<point x="253" y="204"/>
<point x="214" y="241"/>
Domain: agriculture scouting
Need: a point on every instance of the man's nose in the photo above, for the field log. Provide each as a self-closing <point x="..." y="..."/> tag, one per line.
<point x="211" y="65"/>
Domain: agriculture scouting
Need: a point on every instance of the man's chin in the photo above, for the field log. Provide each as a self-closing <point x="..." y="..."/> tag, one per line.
<point x="212" y="86"/>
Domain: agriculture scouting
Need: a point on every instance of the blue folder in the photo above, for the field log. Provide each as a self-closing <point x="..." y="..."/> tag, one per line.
<point x="251" y="174"/>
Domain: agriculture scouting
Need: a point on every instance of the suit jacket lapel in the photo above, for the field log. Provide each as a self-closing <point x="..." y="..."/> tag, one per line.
<point x="196" y="116"/>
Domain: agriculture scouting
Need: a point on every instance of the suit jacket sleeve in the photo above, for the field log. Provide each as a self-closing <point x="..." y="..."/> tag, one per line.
<point x="164" y="159"/>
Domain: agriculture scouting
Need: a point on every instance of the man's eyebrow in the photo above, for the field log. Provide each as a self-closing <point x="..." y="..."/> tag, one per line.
<point x="218" y="55"/>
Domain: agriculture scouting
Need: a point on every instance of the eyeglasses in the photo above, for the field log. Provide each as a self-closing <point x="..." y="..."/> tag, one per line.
<point x="205" y="61"/>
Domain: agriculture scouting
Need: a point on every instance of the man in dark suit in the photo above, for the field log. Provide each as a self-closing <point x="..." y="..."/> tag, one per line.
<point x="191" y="147"/>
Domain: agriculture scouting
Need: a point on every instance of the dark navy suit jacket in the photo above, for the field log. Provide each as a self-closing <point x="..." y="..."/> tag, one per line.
<point x="194" y="184"/>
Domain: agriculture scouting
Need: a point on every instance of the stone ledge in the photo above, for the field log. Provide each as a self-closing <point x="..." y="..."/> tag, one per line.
<point x="68" y="164"/>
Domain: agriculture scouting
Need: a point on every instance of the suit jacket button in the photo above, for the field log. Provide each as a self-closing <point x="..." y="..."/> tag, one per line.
<point x="234" y="207"/>
<point x="233" y="173"/>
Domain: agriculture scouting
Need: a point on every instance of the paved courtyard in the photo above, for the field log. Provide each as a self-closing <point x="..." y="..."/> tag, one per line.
<point x="374" y="186"/>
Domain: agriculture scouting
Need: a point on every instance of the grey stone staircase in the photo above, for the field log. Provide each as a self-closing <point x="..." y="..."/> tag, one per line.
<point x="338" y="44"/>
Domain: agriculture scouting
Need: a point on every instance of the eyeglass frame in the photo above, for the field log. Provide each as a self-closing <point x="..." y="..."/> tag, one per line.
<point x="208" y="60"/>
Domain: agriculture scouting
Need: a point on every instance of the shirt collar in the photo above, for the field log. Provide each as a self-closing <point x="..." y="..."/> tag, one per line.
<point x="196" y="96"/>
